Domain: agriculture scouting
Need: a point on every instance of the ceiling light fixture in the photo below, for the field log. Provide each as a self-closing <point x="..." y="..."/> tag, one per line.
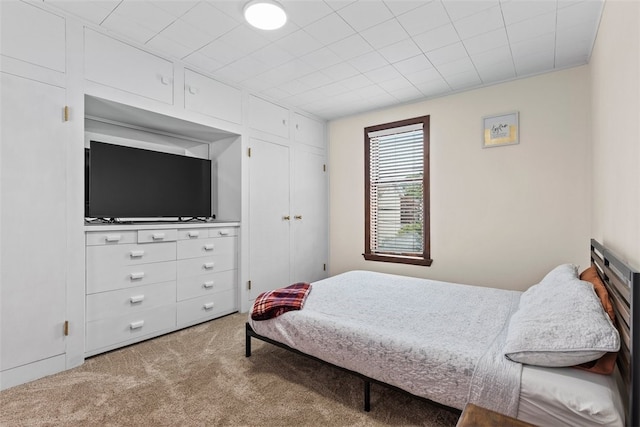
<point x="265" y="14"/>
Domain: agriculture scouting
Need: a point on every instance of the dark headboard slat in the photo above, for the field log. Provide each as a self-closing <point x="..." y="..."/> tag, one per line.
<point x="623" y="285"/>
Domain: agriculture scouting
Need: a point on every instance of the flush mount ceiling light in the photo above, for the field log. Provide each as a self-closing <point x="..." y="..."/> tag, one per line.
<point x="265" y="14"/>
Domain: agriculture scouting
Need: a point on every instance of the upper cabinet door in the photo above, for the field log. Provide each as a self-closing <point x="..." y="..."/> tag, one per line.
<point x="121" y="66"/>
<point x="268" y="117"/>
<point x="207" y="96"/>
<point x="32" y="35"/>
<point x="308" y="131"/>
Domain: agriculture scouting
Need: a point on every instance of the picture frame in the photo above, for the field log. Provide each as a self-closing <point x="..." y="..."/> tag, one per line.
<point x="500" y="130"/>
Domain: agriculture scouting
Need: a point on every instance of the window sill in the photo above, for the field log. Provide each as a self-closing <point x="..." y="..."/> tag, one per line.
<point x="399" y="259"/>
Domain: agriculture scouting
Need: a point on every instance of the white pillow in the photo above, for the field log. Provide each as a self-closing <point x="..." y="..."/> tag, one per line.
<point x="560" y="322"/>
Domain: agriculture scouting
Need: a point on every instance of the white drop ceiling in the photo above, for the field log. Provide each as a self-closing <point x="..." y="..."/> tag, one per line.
<point x="335" y="58"/>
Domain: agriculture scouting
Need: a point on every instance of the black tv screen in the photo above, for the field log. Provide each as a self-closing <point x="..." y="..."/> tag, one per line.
<point x="127" y="182"/>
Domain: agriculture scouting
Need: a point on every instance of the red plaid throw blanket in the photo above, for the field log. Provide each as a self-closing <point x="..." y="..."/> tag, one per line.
<point x="273" y="303"/>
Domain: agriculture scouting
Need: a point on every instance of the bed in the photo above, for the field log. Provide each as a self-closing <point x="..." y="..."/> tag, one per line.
<point x="454" y="344"/>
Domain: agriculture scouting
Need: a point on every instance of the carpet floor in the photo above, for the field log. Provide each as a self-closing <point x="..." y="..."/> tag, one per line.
<point x="199" y="376"/>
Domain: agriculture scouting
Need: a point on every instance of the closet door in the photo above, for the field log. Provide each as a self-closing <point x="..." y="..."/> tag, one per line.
<point x="269" y="216"/>
<point x="309" y="220"/>
<point x="33" y="222"/>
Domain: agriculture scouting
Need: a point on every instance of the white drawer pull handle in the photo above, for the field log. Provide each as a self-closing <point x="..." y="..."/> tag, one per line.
<point x="136" y="254"/>
<point x="137" y="276"/>
<point x="113" y="238"/>
<point x="194" y="233"/>
<point x="208" y="284"/>
<point x="208" y="247"/>
<point x="208" y="306"/>
<point x="136" y="325"/>
<point x="208" y="265"/>
<point x="165" y="80"/>
<point x="136" y="299"/>
<point x="223" y="232"/>
<point x="158" y="236"/>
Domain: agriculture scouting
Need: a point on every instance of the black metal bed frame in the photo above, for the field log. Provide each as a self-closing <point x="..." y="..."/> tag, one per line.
<point x="622" y="282"/>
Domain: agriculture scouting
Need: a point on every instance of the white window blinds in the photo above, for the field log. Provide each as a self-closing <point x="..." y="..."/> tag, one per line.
<point x="396" y="172"/>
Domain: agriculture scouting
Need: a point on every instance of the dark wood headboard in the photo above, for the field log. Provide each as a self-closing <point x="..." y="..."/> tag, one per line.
<point x="623" y="284"/>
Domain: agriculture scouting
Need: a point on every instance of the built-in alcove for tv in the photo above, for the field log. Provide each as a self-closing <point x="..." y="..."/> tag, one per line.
<point x="123" y="125"/>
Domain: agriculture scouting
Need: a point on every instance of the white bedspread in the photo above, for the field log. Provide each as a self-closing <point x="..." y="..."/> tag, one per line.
<point x="441" y="341"/>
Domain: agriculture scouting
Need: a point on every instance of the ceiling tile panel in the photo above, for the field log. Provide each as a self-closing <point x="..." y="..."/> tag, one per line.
<point x="306" y="12"/>
<point x="127" y="27"/>
<point x="413" y="64"/>
<point x="400" y="51"/>
<point x="329" y="29"/>
<point x="459" y="9"/>
<point x="384" y="34"/>
<point x="146" y="14"/>
<point x="435" y="39"/>
<point x="209" y="20"/>
<point x="487" y="41"/>
<point x="446" y="54"/>
<point x="515" y="11"/>
<point x="299" y="43"/>
<point x="368" y="61"/>
<point x="351" y="47"/>
<point x="479" y="23"/>
<point x="363" y="14"/>
<point x="424" y="18"/>
<point x="94" y="11"/>
<point x="531" y="28"/>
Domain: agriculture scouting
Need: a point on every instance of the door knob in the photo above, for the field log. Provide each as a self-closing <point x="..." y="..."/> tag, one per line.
<point x="286" y="217"/>
<point x="298" y="217"/>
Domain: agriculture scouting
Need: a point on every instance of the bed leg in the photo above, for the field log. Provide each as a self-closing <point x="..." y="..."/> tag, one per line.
<point x="247" y="342"/>
<point x="367" y="396"/>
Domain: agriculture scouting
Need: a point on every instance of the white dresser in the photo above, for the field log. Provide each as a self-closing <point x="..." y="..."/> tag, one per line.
<point x="147" y="280"/>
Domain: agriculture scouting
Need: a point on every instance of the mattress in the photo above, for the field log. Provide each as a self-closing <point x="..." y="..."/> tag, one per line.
<point x="571" y="397"/>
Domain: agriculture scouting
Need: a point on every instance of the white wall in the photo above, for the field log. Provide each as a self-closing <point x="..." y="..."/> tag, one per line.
<point x="501" y="216"/>
<point x="615" y="106"/>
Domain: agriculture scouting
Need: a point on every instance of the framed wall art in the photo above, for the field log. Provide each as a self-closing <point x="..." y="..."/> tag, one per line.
<point x="500" y="130"/>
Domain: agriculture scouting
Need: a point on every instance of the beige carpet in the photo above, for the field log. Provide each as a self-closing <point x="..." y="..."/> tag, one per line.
<point x="200" y="377"/>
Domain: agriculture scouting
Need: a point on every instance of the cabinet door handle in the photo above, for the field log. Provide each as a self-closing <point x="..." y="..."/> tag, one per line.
<point x="137" y="276"/>
<point x="208" y="306"/>
<point x="284" y="122"/>
<point x="208" y="265"/>
<point x="136" y="254"/>
<point x="286" y="217"/>
<point x="223" y="232"/>
<point x="165" y="80"/>
<point x="113" y="237"/>
<point x="136" y="325"/>
<point x="193" y="90"/>
<point x="136" y="299"/>
<point x="298" y="216"/>
<point x="157" y="236"/>
<point x="194" y="233"/>
<point x="208" y="247"/>
<point x="208" y="284"/>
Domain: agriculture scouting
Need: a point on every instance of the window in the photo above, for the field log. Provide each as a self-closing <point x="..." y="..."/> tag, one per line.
<point x="397" y="192"/>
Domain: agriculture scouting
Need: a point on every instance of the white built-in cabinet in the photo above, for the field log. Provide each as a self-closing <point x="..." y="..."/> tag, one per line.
<point x="59" y="299"/>
<point x="146" y="281"/>
<point x="211" y="97"/>
<point x="287" y="199"/>
<point x="33" y="177"/>
<point x="116" y="64"/>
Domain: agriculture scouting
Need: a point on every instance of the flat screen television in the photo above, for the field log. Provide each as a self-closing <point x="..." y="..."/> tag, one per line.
<point x="127" y="182"/>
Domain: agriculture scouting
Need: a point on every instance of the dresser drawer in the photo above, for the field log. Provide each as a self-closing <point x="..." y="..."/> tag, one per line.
<point x="204" y="247"/>
<point x="100" y="278"/>
<point x="193" y="233"/>
<point x="223" y="231"/>
<point x="129" y="327"/>
<point x="131" y="300"/>
<point x="110" y="238"/>
<point x="108" y="257"/>
<point x="161" y="235"/>
<point x="207" y="284"/>
<point x="199" y="309"/>
<point x="211" y="264"/>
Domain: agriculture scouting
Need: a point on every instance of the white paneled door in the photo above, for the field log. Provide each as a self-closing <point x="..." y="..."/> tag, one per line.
<point x="309" y="216"/>
<point x="269" y="216"/>
<point x="33" y="222"/>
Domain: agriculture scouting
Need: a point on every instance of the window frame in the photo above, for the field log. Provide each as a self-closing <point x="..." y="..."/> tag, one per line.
<point x="423" y="259"/>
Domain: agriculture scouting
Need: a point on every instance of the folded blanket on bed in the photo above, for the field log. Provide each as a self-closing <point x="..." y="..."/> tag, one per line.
<point x="273" y="303"/>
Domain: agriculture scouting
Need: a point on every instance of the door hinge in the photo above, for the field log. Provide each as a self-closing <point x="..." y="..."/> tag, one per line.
<point x="65" y="328"/>
<point x="249" y="284"/>
<point x="66" y="113"/>
<point x="249" y="151"/>
<point x="324" y="267"/>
